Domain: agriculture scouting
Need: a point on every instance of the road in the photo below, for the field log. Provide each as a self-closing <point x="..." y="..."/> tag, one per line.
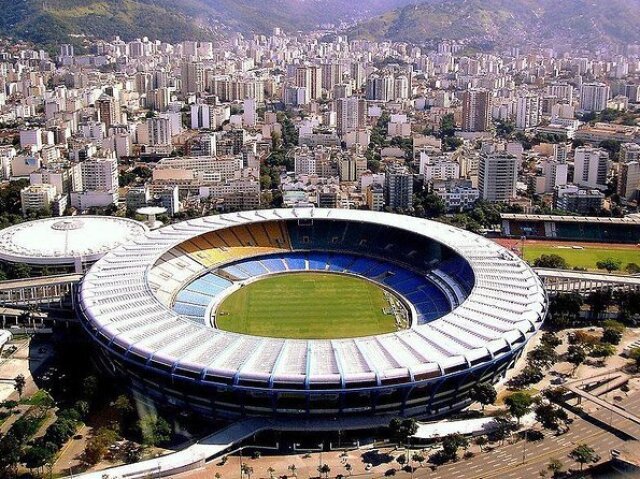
<point x="502" y="462"/>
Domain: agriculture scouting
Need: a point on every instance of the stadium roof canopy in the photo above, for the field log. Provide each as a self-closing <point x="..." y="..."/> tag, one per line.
<point x="63" y="240"/>
<point x="628" y="220"/>
<point x="505" y="307"/>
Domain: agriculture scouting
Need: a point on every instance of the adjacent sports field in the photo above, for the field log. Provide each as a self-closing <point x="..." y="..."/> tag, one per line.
<point x="307" y="306"/>
<point x="586" y="257"/>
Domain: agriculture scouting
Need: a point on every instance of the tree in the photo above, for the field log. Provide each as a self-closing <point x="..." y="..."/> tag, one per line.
<point x="324" y="469"/>
<point x="584" y="454"/>
<point x="555" y="466"/>
<point x="123" y="405"/>
<point x="419" y="458"/>
<point x="481" y="441"/>
<point x="634" y="354"/>
<point x="611" y="336"/>
<point x="18" y="270"/>
<point x="614" y="325"/>
<point x="246" y="469"/>
<point x="551" y="261"/>
<point x="451" y="143"/>
<point x="348" y="467"/>
<point x="19" y="384"/>
<point x="519" y="404"/>
<point x="504" y="128"/>
<point x="60" y="431"/>
<point x="576" y="355"/>
<point x="90" y="386"/>
<point x="402" y="429"/>
<point x="542" y="356"/>
<point x="609" y="264"/>
<point x="484" y="393"/>
<point x="10" y="405"/>
<point x="292" y="468"/>
<point x="447" y="126"/>
<point x="10" y="451"/>
<point x="603" y="351"/>
<point x="451" y="443"/>
<point x="531" y="374"/>
<point x="82" y="407"/>
<point x="550" y="339"/>
<point x="547" y="415"/>
<point x="503" y="426"/>
<point x="632" y="268"/>
<point x="154" y="430"/>
<point x="98" y="445"/>
<point x="271" y="470"/>
<point x="564" y="308"/>
<point x="36" y="457"/>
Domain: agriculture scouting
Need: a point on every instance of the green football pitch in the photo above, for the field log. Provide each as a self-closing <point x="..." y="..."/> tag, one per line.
<point x="307" y="306"/>
<point x="587" y="257"/>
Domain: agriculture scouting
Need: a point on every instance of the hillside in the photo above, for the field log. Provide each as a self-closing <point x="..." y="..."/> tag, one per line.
<point x="58" y="19"/>
<point x="53" y="21"/>
<point x="494" y="22"/>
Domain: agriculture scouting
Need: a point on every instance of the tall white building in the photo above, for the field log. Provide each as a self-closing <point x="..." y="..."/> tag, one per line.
<point x="562" y="91"/>
<point x="594" y="97"/>
<point x="629" y="180"/>
<point x="249" y="116"/>
<point x="438" y="168"/>
<point x="159" y="131"/>
<point x="497" y="176"/>
<point x="398" y="187"/>
<point x="591" y="167"/>
<point x="401" y="87"/>
<point x="527" y="111"/>
<point x="351" y="114"/>
<point x="555" y="174"/>
<point x="476" y="107"/>
<point x="629" y="152"/>
<point x="192" y="75"/>
<point x="37" y="197"/>
<point x="99" y="174"/>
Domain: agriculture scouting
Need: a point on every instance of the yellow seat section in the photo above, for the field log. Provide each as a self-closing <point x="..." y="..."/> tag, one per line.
<point x="227" y="245"/>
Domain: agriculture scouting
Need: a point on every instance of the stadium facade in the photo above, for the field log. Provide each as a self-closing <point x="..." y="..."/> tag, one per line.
<point x="150" y="306"/>
<point x="572" y="228"/>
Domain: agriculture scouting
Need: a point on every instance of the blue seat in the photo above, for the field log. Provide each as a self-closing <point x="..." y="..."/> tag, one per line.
<point x="296" y="263"/>
<point x="317" y="262"/>
<point x="274" y="265"/>
<point x="252" y="267"/>
<point x="190" y="310"/>
<point x="233" y="270"/>
<point x="341" y="262"/>
<point x="191" y="297"/>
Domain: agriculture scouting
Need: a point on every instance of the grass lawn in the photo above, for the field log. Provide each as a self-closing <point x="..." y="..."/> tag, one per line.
<point x="307" y="306"/>
<point x="587" y="257"/>
<point x="39" y="398"/>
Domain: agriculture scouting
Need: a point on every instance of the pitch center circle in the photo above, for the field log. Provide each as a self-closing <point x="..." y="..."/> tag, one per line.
<point x="311" y="305"/>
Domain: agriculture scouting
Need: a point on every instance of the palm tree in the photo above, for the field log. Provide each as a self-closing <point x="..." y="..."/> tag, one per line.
<point x="271" y="470"/>
<point x="324" y="469"/>
<point x="246" y="469"/>
<point x="293" y="469"/>
<point x="348" y="467"/>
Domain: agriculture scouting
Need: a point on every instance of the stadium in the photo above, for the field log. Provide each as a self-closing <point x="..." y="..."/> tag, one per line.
<point x="311" y="313"/>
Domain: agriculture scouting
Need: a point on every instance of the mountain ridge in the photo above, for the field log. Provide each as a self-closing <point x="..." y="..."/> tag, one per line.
<point x="57" y="21"/>
<point x="577" y="22"/>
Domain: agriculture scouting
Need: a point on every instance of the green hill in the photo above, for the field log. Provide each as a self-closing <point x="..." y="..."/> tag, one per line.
<point x="508" y="22"/>
<point x="54" y="21"/>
